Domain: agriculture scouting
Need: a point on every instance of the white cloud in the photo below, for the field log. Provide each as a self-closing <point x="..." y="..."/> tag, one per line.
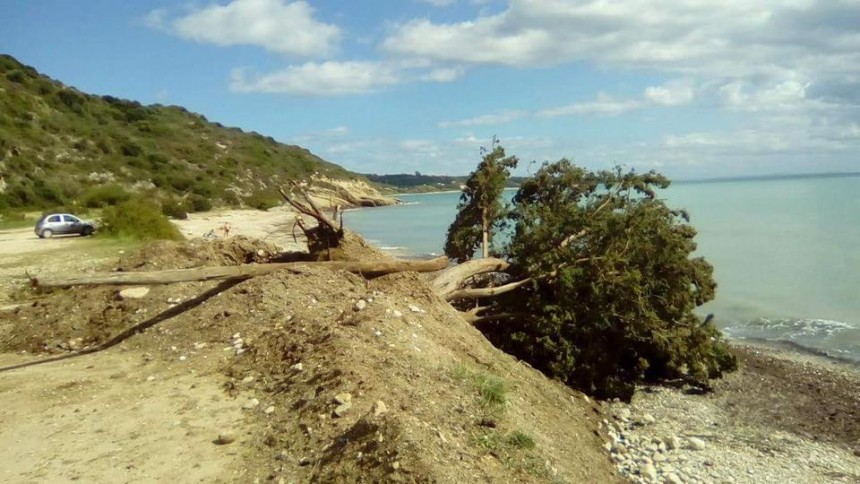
<point x="486" y="119"/>
<point x="438" y="3"/>
<point x="604" y="105"/>
<point x="674" y="93"/>
<point x="280" y="26"/>
<point x="320" y="79"/>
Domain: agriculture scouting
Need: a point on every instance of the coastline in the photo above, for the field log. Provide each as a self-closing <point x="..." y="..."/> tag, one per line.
<point x="784" y="416"/>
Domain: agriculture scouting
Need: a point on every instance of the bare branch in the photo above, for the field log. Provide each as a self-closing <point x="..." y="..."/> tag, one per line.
<point x="487" y="291"/>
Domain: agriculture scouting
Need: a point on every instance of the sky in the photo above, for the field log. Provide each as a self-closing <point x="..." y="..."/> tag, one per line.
<point x="691" y="88"/>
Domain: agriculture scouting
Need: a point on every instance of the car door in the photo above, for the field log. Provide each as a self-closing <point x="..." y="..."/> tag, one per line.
<point x="55" y="224"/>
<point x="71" y="224"/>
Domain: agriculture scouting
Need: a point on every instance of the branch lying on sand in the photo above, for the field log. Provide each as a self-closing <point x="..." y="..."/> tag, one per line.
<point x="237" y="272"/>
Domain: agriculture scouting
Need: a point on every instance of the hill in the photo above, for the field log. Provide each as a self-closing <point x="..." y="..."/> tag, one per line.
<point x="60" y="146"/>
<point x="420" y="183"/>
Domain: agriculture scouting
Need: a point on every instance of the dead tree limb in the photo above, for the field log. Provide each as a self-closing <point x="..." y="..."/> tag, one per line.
<point x="452" y="278"/>
<point x="486" y="291"/>
<point x="473" y="316"/>
<point x="371" y="269"/>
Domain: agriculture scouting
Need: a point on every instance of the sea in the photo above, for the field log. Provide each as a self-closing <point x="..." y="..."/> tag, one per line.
<point x="785" y="251"/>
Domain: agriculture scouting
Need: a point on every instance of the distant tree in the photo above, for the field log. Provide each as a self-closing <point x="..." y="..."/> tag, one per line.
<point x="480" y="209"/>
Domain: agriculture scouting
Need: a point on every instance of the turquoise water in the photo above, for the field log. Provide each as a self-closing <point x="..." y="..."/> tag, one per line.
<point x="786" y="252"/>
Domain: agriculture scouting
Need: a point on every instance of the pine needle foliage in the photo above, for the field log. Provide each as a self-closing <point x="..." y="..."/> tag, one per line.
<point x="480" y="212"/>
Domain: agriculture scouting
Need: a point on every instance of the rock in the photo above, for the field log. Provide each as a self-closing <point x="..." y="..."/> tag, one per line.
<point x="648" y="471"/>
<point x="199" y="346"/>
<point x="297" y="367"/>
<point x="225" y="437"/>
<point x="696" y="443"/>
<point x="138" y="292"/>
<point x="361" y="304"/>
<point x="269" y="410"/>
<point x="416" y="309"/>
<point x="237" y="336"/>
<point x="623" y="414"/>
<point x="183" y="358"/>
<point x="672" y="479"/>
<point x="342" y="398"/>
<point x="379" y="408"/>
<point x="248" y="379"/>
<point x="341" y="409"/>
<point x="648" y="419"/>
<point x="673" y="442"/>
<point x="150" y="378"/>
<point x="304" y="461"/>
<point x="251" y="404"/>
<point x="397" y="314"/>
<point x="619" y="449"/>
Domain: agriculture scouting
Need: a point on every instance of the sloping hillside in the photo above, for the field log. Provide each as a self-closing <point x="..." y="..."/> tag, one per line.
<point x="341" y="379"/>
<point x="59" y="146"/>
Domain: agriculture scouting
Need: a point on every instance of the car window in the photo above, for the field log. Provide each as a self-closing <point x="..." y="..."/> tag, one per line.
<point x="54" y="218"/>
<point x="71" y="219"/>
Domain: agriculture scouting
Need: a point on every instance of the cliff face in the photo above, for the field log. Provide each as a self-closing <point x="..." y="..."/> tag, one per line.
<point x="347" y="193"/>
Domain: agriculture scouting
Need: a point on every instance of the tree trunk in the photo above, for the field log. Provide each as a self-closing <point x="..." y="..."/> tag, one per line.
<point x="452" y="278"/>
<point x="237" y="272"/>
<point x="485" y="232"/>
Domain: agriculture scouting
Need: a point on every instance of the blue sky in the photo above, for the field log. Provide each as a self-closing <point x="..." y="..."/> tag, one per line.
<point x="692" y="88"/>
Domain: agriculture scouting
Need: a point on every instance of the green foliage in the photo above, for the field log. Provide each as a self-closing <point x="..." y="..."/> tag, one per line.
<point x="199" y="203"/>
<point x="179" y="151"/>
<point x="491" y="390"/>
<point x="175" y="209"/>
<point x="137" y="219"/>
<point x="263" y="199"/>
<point x="104" y="196"/>
<point x="613" y="286"/>
<point x="16" y="76"/>
<point x="480" y="209"/>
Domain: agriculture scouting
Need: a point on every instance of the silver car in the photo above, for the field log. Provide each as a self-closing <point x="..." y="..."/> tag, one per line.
<point x="61" y="224"/>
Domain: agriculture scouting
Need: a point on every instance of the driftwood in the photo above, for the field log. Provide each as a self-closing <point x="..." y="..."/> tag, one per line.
<point x="236" y="272"/>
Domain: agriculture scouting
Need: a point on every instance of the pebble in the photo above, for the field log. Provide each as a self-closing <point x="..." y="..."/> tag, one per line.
<point x="648" y="471"/>
<point x="225" y="437"/>
<point x="416" y="309"/>
<point x="297" y="367"/>
<point x="397" y="314"/>
<point x="248" y="379"/>
<point x="133" y="293"/>
<point x="269" y="410"/>
<point x="341" y="409"/>
<point x="250" y="404"/>
<point x="361" y="304"/>
<point x="342" y="398"/>
<point x="696" y="443"/>
<point x="379" y="408"/>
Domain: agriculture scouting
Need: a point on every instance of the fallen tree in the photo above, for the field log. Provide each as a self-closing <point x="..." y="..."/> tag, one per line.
<point x="596" y="285"/>
<point x="370" y="269"/>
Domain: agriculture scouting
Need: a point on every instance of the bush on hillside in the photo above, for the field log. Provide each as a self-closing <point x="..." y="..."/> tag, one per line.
<point x="104" y="196"/>
<point x="199" y="203"/>
<point x="174" y="208"/>
<point x="137" y="219"/>
<point x="263" y="200"/>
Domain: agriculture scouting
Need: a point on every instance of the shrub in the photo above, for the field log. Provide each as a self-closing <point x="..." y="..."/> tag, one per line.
<point x="263" y="200"/>
<point x="16" y="76"/>
<point x="199" y="203"/>
<point x="104" y="196"/>
<point x="174" y="208"/>
<point x="137" y="219"/>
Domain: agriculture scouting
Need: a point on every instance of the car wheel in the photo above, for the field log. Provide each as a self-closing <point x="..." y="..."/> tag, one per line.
<point x="87" y="231"/>
<point x="47" y="234"/>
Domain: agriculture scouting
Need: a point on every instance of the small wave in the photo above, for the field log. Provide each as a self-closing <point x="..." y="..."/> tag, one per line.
<point x="791" y="326"/>
<point x="391" y="248"/>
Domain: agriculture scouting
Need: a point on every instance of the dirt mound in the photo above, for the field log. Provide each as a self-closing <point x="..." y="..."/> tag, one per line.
<point x="345" y="379"/>
<point x="200" y="252"/>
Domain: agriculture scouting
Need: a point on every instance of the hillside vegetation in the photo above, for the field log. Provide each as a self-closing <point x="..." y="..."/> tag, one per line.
<point x="62" y="147"/>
